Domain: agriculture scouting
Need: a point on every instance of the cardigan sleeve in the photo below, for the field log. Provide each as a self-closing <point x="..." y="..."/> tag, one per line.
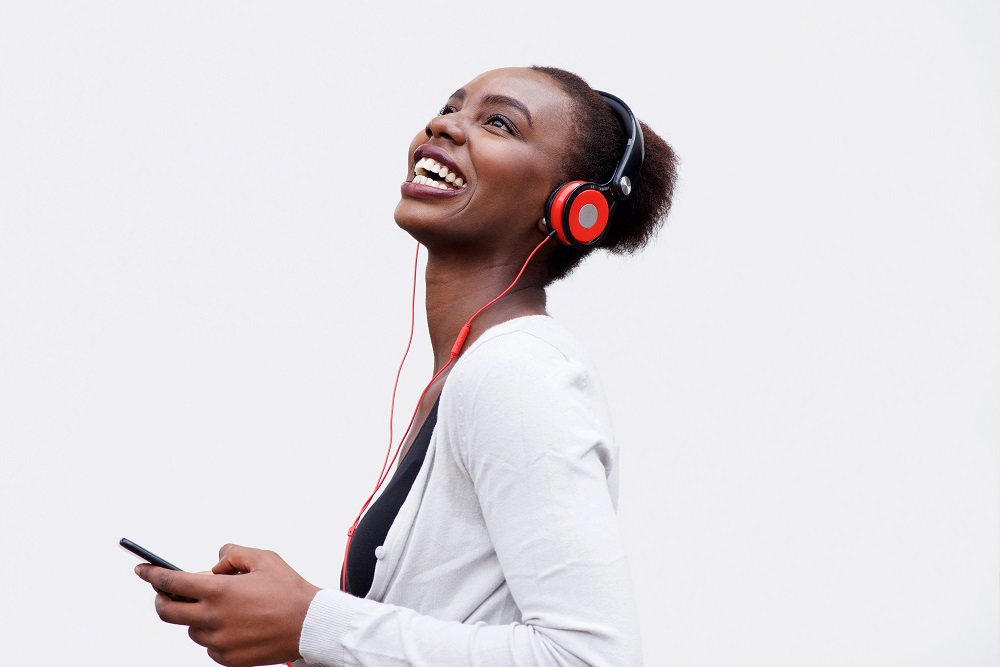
<point x="532" y="433"/>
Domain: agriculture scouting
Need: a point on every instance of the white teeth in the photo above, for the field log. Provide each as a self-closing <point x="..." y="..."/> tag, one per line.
<point x="426" y="166"/>
<point x="420" y="179"/>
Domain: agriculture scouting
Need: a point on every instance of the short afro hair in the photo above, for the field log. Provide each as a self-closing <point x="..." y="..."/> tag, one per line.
<point x="637" y="219"/>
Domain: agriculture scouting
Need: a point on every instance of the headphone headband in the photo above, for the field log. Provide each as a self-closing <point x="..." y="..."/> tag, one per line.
<point x="624" y="178"/>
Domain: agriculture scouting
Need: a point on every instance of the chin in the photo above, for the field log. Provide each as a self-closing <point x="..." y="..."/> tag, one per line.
<point x="421" y="222"/>
<point x="421" y="228"/>
<point x="407" y="219"/>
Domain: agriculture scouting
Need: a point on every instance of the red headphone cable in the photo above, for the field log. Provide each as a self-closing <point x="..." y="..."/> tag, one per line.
<point x="392" y="406"/>
<point x="455" y="351"/>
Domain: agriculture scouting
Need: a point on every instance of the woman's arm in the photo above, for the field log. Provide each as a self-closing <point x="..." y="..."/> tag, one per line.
<point x="530" y="429"/>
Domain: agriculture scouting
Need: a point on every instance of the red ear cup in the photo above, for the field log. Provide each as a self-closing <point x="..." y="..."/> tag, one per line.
<point x="578" y="212"/>
<point x="588" y="214"/>
<point x="554" y="209"/>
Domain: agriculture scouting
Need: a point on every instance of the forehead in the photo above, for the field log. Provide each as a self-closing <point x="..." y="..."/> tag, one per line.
<point x="542" y="95"/>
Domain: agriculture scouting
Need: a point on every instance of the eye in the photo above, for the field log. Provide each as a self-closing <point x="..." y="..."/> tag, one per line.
<point x="447" y="109"/>
<point x="501" y="122"/>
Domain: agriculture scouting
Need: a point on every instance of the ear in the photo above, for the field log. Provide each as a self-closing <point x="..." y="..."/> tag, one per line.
<point x="542" y="226"/>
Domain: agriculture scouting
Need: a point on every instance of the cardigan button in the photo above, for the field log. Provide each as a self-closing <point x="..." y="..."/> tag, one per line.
<point x="380" y="552"/>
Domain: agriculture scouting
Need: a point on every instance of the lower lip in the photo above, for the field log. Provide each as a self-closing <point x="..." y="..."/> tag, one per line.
<point x="410" y="189"/>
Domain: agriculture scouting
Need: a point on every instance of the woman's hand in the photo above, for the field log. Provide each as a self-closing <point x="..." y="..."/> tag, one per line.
<point x="254" y="618"/>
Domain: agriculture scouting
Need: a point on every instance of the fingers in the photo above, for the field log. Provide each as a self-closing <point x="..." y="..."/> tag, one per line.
<point x="180" y="613"/>
<point x="176" y="583"/>
<point x="234" y="559"/>
<point x="225" y="564"/>
<point x="255" y="619"/>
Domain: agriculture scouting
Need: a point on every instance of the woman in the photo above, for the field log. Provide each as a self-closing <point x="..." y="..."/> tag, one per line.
<point x="501" y="545"/>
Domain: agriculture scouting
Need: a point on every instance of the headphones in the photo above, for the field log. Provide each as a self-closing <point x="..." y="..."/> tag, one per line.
<point x="578" y="212"/>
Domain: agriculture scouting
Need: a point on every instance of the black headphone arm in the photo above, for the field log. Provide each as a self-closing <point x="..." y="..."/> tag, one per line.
<point x="626" y="174"/>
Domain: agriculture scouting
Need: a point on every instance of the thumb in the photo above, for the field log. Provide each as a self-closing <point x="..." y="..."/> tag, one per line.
<point x="234" y="559"/>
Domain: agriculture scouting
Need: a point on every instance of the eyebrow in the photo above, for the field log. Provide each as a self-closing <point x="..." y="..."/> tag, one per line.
<point x="494" y="98"/>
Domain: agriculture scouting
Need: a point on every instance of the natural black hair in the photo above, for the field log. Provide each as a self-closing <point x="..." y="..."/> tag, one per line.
<point x="598" y="147"/>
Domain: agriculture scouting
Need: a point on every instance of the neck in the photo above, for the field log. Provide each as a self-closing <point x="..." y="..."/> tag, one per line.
<point x="456" y="290"/>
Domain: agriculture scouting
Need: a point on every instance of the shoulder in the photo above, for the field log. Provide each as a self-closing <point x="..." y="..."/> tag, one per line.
<point x="528" y="353"/>
<point x="522" y="342"/>
<point x="525" y="381"/>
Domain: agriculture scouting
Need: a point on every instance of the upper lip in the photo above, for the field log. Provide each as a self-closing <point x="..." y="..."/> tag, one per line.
<point x="437" y="154"/>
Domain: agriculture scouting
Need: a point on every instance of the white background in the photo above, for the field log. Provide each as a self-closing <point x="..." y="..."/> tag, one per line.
<point x="203" y="299"/>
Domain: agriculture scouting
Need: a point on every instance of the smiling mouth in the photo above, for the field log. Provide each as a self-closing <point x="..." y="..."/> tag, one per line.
<point x="429" y="171"/>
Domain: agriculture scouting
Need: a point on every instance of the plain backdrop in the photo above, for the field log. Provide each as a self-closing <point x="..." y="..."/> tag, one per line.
<point x="203" y="300"/>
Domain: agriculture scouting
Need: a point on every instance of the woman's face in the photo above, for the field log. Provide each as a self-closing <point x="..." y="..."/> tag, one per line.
<point x="500" y="140"/>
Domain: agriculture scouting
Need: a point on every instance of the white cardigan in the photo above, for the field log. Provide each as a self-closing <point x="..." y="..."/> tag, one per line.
<point x="507" y="549"/>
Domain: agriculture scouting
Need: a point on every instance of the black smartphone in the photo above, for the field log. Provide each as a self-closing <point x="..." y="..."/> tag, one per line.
<point x="146" y="554"/>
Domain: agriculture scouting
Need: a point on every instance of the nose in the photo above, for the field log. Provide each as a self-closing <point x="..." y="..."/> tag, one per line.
<point x="447" y="126"/>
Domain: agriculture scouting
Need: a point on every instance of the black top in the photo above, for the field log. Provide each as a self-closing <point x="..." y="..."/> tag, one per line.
<point x="374" y="525"/>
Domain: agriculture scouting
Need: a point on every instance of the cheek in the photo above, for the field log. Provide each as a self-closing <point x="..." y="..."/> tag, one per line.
<point x="525" y="190"/>
<point x="536" y="186"/>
